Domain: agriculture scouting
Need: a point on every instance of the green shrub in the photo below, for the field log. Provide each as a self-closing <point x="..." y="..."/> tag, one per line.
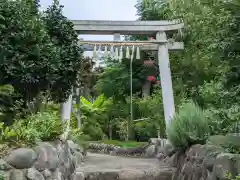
<point x="124" y="144"/>
<point x="2" y="175"/>
<point x="230" y="177"/>
<point x="75" y="134"/>
<point x="42" y="126"/>
<point x="188" y="127"/>
<point x="17" y="135"/>
<point x="47" y="124"/>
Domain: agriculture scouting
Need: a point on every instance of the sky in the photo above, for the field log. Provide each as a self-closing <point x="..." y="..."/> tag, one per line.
<point x="97" y="10"/>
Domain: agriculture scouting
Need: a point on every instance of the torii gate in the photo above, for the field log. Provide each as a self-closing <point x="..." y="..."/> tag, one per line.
<point x="161" y="44"/>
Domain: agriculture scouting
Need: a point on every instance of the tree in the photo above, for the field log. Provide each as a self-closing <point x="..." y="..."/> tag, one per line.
<point x="115" y="80"/>
<point x="26" y="50"/>
<point x="151" y="108"/>
<point x="65" y="40"/>
<point x="208" y="69"/>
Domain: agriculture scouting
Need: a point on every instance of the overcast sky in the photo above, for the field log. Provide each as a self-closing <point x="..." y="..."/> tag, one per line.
<point x="97" y="10"/>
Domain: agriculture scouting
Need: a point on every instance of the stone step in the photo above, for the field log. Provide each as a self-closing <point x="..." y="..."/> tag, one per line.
<point x="105" y="167"/>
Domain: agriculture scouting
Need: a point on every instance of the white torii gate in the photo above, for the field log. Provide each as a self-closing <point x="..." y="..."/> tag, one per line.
<point x="161" y="44"/>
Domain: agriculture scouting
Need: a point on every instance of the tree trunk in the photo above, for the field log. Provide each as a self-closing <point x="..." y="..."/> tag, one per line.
<point x="78" y="114"/>
<point x="110" y="130"/>
<point x="146" y="89"/>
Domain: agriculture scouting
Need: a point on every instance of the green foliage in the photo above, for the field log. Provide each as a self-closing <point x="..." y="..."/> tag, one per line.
<point x="26" y="50"/>
<point x="2" y="175"/>
<point x="221" y="107"/>
<point x="42" y="126"/>
<point x="114" y="82"/>
<point x="122" y="129"/>
<point x="17" y="135"/>
<point x="188" y="127"/>
<point x="144" y="130"/>
<point x="65" y="41"/>
<point x="93" y="116"/>
<point x="6" y="92"/>
<point x="208" y="68"/>
<point x="229" y="176"/>
<point x="152" y="108"/>
<point x="75" y="134"/>
<point x="48" y="125"/>
<point x="39" y="53"/>
<point x="124" y="144"/>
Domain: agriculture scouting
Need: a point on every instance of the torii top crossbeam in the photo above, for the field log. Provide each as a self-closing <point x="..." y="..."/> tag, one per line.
<point x="125" y="27"/>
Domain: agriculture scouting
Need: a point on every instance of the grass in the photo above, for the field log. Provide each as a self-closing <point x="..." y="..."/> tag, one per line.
<point x="123" y="144"/>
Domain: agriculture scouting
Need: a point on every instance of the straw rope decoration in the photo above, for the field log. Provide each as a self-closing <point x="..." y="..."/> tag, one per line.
<point x="119" y="43"/>
<point x="115" y="51"/>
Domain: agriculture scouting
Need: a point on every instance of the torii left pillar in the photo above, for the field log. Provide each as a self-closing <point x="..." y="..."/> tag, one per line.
<point x="166" y="78"/>
<point x="66" y="109"/>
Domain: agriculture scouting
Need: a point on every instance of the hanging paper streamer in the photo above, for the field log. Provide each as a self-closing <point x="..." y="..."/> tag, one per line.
<point x="95" y="52"/>
<point x="127" y="53"/>
<point x="138" y="53"/>
<point x="112" y="52"/>
<point x="116" y="53"/>
<point x="105" y="51"/>
<point x="99" y="51"/>
<point x="121" y="54"/>
<point x="132" y="53"/>
<point x="180" y="32"/>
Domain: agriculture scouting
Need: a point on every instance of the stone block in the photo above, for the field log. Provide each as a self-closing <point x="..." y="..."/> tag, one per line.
<point x="21" y="158"/>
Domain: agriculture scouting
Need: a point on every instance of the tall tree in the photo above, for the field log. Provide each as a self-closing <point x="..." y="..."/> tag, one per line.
<point x="65" y="40"/>
<point x="26" y="51"/>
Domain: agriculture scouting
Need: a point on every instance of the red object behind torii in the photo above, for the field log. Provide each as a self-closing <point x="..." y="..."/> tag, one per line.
<point x="151" y="78"/>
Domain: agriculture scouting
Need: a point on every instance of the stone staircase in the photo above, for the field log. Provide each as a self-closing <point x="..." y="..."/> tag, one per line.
<point x="105" y="167"/>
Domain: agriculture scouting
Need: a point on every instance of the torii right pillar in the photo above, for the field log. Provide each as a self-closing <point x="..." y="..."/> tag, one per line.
<point x="166" y="78"/>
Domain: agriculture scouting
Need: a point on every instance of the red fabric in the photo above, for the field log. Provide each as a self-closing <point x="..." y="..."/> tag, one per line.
<point x="150" y="38"/>
<point x="151" y="78"/>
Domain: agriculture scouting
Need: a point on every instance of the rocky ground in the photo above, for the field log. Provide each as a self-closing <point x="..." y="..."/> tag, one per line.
<point x="105" y="167"/>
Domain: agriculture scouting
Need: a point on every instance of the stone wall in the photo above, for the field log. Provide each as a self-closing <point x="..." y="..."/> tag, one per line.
<point x="47" y="161"/>
<point x="203" y="162"/>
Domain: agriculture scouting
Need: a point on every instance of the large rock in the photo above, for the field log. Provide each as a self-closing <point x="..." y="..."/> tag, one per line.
<point x="150" y="151"/>
<point x="33" y="174"/>
<point x="46" y="161"/>
<point x="78" y="176"/>
<point x="66" y="164"/>
<point x="77" y="158"/>
<point x="102" y="176"/>
<point x="21" y="158"/>
<point x="167" y="150"/>
<point x="153" y="140"/>
<point x="162" y="173"/>
<point x="132" y="175"/>
<point x="225" y="163"/>
<point x="47" y="174"/>
<point x="47" y="157"/>
<point x="4" y="165"/>
<point x="15" y="174"/>
<point x="58" y="175"/>
<point x="210" y="156"/>
<point x="224" y="141"/>
<point x="205" y="162"/>
<point x="75" y="147"/>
